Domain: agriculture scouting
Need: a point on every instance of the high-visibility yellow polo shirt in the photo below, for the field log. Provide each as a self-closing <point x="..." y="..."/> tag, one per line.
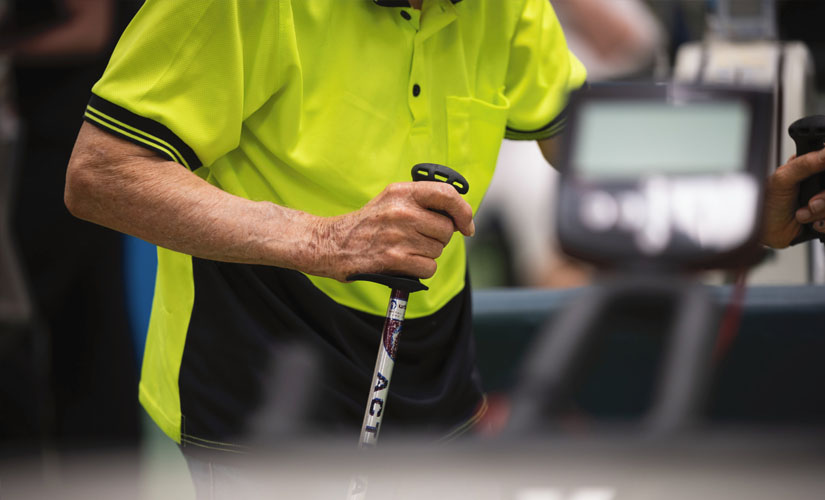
<point x="318" y="105"/>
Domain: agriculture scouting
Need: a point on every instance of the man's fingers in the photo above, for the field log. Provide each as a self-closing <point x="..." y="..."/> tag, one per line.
<point x="444" y="197"/>
<point x="429" y="248"/>
<point x="436" y="226"/>
<point x="421" y="267"/>
<point x="813" y="211"/>
<point x="802" y="167"/>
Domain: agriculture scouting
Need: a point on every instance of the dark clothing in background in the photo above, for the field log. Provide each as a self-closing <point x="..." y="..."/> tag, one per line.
<point x="74" y="268"/>
<point x="25" y="18"/>
<point x="802" y="20"/>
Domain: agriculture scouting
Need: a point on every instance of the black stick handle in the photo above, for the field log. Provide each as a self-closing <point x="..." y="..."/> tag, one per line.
<point x="440" y="173"/>
<point x="809" y="135"/>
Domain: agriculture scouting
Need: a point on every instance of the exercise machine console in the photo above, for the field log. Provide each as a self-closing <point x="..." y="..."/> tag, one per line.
<point x="666" y="176"/>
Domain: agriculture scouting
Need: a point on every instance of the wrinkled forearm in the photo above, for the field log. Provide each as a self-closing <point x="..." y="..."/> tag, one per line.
<point x="126" y="188"/>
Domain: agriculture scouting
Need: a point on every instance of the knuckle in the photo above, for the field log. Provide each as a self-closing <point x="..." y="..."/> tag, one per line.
<point x="783" y="176"/>
<point x="393" y="256"/>
<point x="444" y="236"/>
<point x="442" y="190"/>
<point x="430" y="269"/>
<point x="445" y="188"/>
<point x="396" y="190"/>
<point x="399" y="212"/>
<point x="432" y="250"/>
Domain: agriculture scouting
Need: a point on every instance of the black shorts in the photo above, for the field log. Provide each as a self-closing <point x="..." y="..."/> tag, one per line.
<point x="268" y="352"/>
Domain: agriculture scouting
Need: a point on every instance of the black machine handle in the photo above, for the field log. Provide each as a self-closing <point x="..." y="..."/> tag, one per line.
<point x="432" y="172"/>
<point x="809" y="135"/>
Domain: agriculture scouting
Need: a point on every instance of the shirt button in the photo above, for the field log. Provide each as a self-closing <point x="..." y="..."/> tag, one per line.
<point x="406" y="15"/>
<point x="416" y="90"/>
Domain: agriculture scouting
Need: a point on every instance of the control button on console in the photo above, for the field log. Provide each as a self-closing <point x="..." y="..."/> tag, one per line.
<point x="598" y="211"/>
<point x="632" y="211"/>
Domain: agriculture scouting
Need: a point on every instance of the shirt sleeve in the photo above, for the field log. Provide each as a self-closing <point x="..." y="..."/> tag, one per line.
<point x="541" y="73"/>
<point x="185" y="75"/>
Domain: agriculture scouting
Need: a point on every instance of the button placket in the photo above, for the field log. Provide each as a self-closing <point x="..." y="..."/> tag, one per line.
<point x="416" y="86"/>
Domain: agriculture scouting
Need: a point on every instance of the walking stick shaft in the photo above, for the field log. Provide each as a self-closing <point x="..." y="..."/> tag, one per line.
<point x="384" y="363"/>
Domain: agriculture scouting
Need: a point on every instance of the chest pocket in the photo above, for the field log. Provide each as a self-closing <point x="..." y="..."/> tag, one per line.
<point x="475" y="129"/>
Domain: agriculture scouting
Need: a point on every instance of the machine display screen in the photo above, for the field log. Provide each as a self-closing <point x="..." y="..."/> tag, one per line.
<point x="629" y="139"/>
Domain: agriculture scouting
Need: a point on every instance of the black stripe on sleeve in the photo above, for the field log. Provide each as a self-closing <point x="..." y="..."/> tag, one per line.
<point x="553" y="128"/>
<point x="152" y="132"/>
<point x="110" y="127"/>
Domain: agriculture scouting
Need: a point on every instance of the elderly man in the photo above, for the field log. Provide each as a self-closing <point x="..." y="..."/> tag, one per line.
<point x="265" y="147"/>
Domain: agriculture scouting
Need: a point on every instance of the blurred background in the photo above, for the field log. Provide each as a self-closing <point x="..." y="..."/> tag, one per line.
<point x="75" y="298"/>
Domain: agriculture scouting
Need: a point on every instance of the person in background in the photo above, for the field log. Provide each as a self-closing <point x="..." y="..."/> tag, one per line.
<point x="57" y="49"/>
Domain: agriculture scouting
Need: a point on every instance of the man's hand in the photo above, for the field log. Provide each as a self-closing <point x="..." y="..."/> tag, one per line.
<point x="783" y="221"/>
<point x="397" y="232"/>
